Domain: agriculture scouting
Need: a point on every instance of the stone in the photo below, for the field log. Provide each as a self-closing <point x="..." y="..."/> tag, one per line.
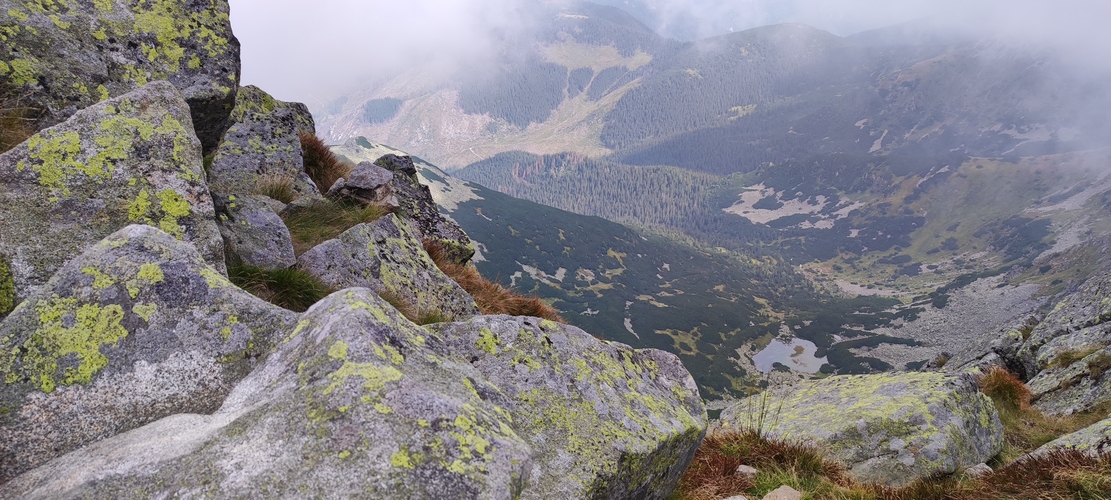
<point x="350" y="405"/>
<point x="889" y="428"/>
<point x="366" y="184"/>
<point x="253" y="233"/>
<point x="416" y="204"/>
<point x="387" y="257"/>
<point x="746" y="472"/>
<point x="605" y="420"/>
<point x="1068" y="355"/>
<point x="131" y="159"/>
<point x="978" y="471"/>
<point x="262" y="145"/>
<point x="68" y="55"/>
<point x="136" y="328"/>
<point x="783" y="493"/>
<point x="736" y="497"/>
<point x="1094" y="440"/>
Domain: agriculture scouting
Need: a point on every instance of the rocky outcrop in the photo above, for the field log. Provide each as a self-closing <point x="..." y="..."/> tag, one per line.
<point x="387" y="257"/>
<point x="1069" y="353"/>
<point x="367" y="184"/>
<point x="137" y="328"/>
<point x="416" y="204"/>
<point x="1094" y="440"/>
<point x="886" y="428"/>
<point x="253" y="233"/>
<point x="262" y="145"/>
<point x="68" y="55"/>
<point x="358" y="401"/>
<point x="131" y="159"/>
<point x="605" y="420"/>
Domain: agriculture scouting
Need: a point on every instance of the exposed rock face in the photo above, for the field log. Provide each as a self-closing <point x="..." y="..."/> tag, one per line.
<point x="887" y="428"/>
<point x="262" y="144"/>
<point x="417" y="205"/>
<point x="1094" y="440"/>
<point x="69" y="55"/>
<point x="605" y="420"/>
<point x="137" y="328"/>
<point x="1069" y="352"/>
<point x="131" y="159"/>
<point x="387" y="257"/>
<point x="253" y="232"/>
<point x="358" y="401"/>
<point x="367" y="184"/>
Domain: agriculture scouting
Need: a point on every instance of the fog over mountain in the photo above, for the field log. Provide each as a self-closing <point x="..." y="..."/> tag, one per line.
<point x="310" y="51"/>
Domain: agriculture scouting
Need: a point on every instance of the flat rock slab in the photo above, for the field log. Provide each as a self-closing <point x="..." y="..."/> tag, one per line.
<point x="136" y="328"/>
<point x="67" y="55"/>
<point x="1093" y="440"/>
<point x="387" y="256"/>
<point x="886" y="428"/>
<point x="131" y="159"/>
<point x="262" y="144"/>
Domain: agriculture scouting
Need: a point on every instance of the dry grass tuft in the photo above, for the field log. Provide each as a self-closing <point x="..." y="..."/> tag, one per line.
<point x="291" y="289"/>
<point x="491" y="297"/>
<point x="416" y="314"/>
<point x="278" y="187"/>
<point x="314" y="224"/>
<point x="17" y="120"/>
<point x="322" y="166"/>
<point x="1008" y="392"/>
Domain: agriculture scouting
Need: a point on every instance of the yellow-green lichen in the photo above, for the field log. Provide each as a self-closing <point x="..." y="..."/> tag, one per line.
<point x="7" y="288"/>
<point x="77" y="347"/>
<point x="144" y="311"/>
<point x="487" y="341"/>
<point x="22" y="72"/>
<point x="374" y="377"/>
<point x="402" y="459"/>
<point x="100" y="280"/>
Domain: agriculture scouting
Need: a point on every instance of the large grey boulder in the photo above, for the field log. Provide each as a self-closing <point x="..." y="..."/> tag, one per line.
<point x="387" y="256"/>
<point x="136" y="328"/>
<point x="605" y="420"/>
<point x="350" y="405"/>
<point x="1094" y="440"/>
<point x="67" y="55"/>
<point x="887" y="428"/>
<point x="253" y="232"/>
<point x="262" y="145"/>
<point x="416" y="204"/>
<point x="131" y="159"/>
<point x="367" y="184"/>
<point x="1069" y="353"/>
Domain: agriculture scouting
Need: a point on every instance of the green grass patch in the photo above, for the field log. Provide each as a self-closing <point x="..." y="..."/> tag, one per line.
<point x="291" y="289"/>
<point x="323" y="220"/>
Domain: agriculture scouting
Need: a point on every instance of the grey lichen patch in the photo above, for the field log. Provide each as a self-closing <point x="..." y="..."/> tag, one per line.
<point x="126" y="160"/>
<point x="887" y="428"/>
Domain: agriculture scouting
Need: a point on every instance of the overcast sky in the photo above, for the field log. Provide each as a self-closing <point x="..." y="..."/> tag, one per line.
<point x="306" y="51"/>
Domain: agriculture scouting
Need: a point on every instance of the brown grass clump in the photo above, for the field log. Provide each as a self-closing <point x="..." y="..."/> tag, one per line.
<point x="17" y="120"/>
<point x="491" y="297"/>
<point x="322" y="166"/>
<point x="416" y="314"/>
<point x="278" y="187"/>
<point x="1008" y="392"/>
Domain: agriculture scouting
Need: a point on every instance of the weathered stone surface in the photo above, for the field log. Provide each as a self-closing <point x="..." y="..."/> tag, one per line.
<point x="262" y="143"/>
<point x="134" y="329"/>
<point x="350" y="405"/>
<point x="253" y="232"/>
<point x="68" y="55"/>
<point x="886" y="428"/>
<point x="783" y="493"/>
<point x="1069" y="353"/>
<point x="1093" y="440"/>
<point x="605" y="420"/>
<point x="387" y="256"/>
<point x="130" y="159"/>
<point x="367" y="184"/>
<point x="416" y="204"/>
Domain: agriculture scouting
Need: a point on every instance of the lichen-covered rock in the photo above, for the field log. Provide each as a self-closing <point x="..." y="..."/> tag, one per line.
<point x="1068" y="354"/>
<point x="416" y="204"/>
<point x="350" y="405"/>
<point x="605" y="420"/>
<point x="367" y="184"/>
<point x="1094" y="440"/>
<point x="886" y="428"/>
<point x="253" y="232"/>
<point x="387" y="256"/>
<point x="136" y="328"/>
<point x="69" y="54"/>
<point x="262" y="145"/>
<point x="131" y="159"/>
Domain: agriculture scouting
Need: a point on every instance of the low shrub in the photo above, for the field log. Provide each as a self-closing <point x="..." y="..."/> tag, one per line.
<point x="322" y="166"/>
<point x="291" y="289"/>
<point x="492" y="298"/>
<point x="323" y="220"/>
